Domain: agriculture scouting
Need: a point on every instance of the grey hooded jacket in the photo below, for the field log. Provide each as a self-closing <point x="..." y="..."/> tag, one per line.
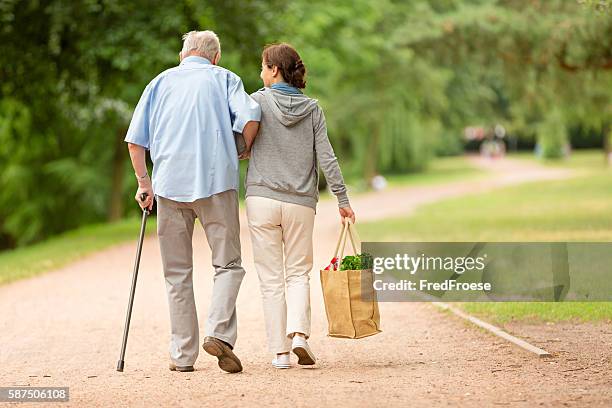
<point x="292" y="139"/>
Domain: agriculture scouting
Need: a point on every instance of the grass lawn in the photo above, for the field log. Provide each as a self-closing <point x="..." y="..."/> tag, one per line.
<point x="577" y="209"/>
<point x="540" y="311"/>
<point x="65" y="248"/>
<point x="441" y="170"/>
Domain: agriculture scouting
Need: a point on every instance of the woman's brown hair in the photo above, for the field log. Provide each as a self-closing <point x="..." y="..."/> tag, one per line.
<point x="288" y="61"/>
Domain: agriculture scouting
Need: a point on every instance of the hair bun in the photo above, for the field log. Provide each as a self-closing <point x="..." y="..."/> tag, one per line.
<point x="288" y="61"/>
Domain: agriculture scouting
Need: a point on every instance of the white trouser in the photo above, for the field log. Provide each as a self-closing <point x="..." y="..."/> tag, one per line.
<point x="279" y="228"/>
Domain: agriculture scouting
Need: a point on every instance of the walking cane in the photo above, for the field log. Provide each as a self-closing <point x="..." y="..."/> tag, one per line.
<point x="126" y="329"/>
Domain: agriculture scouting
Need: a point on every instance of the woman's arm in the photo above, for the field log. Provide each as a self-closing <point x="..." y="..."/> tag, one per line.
<point x="329" y="164"/>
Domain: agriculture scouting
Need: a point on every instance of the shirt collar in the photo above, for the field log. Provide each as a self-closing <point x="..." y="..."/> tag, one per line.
<point x="195" y="59"/>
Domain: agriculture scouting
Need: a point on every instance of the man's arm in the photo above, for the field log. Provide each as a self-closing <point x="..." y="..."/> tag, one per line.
<point x="139" y="163"/>
<point x="249" y="133"/>
<point x="246" y="113"/>
<point x="138" y="140"/>
<point x="245" y="140"/>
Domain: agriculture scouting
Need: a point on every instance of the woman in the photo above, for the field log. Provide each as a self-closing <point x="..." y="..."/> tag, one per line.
<point x="282" y="194"/>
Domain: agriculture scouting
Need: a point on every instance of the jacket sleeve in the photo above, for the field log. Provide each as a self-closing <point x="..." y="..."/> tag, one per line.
<point x="328" y="160"/>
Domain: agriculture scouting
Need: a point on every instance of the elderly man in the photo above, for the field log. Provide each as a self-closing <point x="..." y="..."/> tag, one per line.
<point x="186" y="118"/>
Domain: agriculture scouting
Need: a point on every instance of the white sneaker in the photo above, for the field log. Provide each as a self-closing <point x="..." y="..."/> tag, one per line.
<point x="281" y="361"/>
<point x="302" y="350"/>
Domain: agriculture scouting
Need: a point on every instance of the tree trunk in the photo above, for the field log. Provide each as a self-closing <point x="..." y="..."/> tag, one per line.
<point x="370" y="168"/>
<point x="116" y="194"/>
<point x="607" y="133"/>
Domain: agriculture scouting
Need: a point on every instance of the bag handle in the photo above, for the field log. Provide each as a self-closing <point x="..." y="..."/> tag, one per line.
<point x="348" y="230"/>
<point x="340" y="239"/>
<point x="354" y="236"/>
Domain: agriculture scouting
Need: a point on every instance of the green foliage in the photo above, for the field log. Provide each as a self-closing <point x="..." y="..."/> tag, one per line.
<point x="70" y="75"/>
<point x="598" y="5"/>
<point x="552" y="136"/>
<point x="70" y="71"/>
<point x="399" y="81"/>
<point x="356" y="262"/>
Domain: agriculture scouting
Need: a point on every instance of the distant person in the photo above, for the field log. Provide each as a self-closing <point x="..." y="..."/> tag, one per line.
<point x="186" y="117"/>
<point x="282" y="194"/>
<point x="378" y="182"/>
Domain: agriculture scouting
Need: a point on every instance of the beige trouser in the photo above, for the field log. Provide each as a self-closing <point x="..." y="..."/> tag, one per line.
<point x="218" y="215"/>
<point x="278" y="227"/>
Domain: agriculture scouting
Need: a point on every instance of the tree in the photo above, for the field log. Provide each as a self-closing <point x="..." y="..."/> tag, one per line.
<point x="71" y="73"/>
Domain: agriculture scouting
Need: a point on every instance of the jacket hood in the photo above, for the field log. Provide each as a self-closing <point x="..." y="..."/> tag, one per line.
<point x="289" y="109"/>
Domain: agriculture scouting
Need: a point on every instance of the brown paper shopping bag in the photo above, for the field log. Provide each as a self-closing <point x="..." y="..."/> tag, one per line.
<point x="348" y="314"/>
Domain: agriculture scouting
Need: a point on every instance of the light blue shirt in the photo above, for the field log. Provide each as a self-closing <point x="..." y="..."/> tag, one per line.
<point x="186" y="117"/>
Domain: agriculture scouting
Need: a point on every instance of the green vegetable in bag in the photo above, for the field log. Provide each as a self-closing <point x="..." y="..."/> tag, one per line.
<point x="356" y="262"/>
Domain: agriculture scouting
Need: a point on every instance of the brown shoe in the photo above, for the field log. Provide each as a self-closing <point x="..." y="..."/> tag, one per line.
<point x="182" y="369"/>
<point x="227" y="359"/>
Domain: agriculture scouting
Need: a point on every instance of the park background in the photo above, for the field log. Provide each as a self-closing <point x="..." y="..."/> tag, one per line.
<point x="402" y="83"/>
<point x="412" y="91"/>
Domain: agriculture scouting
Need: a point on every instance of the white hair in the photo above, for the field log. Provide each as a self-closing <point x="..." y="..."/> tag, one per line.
<point x="205" y="43"/>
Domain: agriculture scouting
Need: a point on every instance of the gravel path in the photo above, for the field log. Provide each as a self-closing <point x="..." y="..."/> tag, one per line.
<point x="64" y="329"/>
